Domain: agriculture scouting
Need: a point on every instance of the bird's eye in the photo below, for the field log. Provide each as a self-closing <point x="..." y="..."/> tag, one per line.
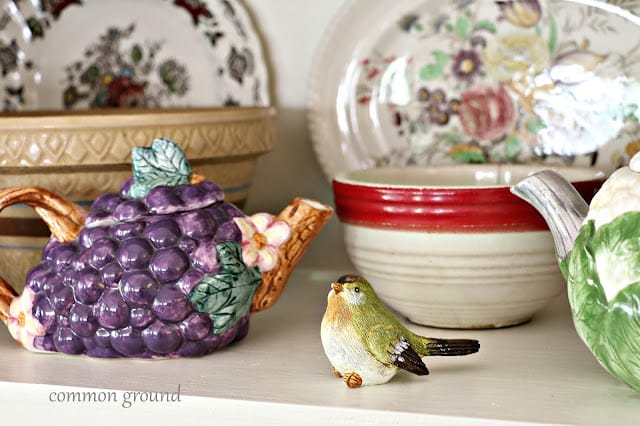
<point x="356" y="289"/>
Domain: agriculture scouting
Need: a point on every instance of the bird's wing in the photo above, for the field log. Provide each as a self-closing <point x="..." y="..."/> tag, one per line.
<point x="387" y="344"/>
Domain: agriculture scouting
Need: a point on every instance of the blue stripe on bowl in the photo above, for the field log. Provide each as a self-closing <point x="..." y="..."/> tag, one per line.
<point x="12" y="247"/>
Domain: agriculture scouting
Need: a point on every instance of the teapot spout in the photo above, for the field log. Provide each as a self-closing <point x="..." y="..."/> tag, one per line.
<point x="559" y="203"/>
<point x="305" y="219"/>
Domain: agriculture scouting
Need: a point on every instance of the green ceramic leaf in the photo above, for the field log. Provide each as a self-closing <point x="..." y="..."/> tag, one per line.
<point x="441" y="57"/>
<point x="164" y="163"/>
<point x="620" y="344"/>
<point x="553" y="34"/>
<point x="434" y="71"/>
<point x="227" y="295"/>
<point x="454" y="138"/>
<point x="36" y="27"/>
<point x="611" y="328"/>
<point x="448" y="27"/>
<point x="512" y="147"/>
<point x="136" y="54"/>
<point x="586" y="295"/>
<point x="487" y="25"/>
<point x="469" y="157"/>
<point x="535" y="125"/>
<point x="462" y="27"/>
<point x="91" y="75"/>
<point x="431" y="72"/>
<point x="495" y="156"/>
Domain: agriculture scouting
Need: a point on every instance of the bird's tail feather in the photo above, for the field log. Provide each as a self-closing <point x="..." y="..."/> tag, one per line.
<point x="450" y="347"/>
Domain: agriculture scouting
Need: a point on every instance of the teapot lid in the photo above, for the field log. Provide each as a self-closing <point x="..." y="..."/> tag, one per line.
<point x="617" y="195"/>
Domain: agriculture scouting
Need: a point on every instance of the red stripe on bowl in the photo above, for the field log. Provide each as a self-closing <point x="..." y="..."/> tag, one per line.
<point x="441" y="209"/>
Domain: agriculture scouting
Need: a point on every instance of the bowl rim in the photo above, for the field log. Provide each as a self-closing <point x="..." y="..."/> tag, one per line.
<point x="47" y="140"/>
<point x="582" y="174"/>
<point x="467" y="209"/>
<point x="129" y="117"/>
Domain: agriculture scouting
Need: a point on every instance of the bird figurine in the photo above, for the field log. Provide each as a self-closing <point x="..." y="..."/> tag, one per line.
<point x="367" y="345"/>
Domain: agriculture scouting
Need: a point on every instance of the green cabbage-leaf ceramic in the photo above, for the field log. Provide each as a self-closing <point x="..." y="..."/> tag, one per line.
<point x="611" y="328"/>
<point x="598" y="246"/>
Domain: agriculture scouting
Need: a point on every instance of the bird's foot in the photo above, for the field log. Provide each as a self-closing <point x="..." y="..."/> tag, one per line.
<point x="353" y="380"/>
<point x="337" y="373"/>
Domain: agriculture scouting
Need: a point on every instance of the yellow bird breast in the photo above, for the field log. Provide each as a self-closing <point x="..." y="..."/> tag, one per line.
<point x="345" y="348"/>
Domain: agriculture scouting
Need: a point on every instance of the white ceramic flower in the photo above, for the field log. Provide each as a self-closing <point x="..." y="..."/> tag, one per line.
<point x="23" y="326"/>
<point x="261" y="237"/>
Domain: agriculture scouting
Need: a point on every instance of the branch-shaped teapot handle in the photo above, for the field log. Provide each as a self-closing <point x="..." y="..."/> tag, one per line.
<point x="64" y="218"/>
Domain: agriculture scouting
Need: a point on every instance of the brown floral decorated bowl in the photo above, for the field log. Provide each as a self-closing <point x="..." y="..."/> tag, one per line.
<point x="83" y="154"/>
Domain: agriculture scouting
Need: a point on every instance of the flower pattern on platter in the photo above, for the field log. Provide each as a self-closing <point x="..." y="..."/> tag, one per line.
<point x="110" y="76"/>
<point x="14" y="67"/>
<point x="262" y="235"/>
<point x="506" y="81"/>
<point x="130" y="75"/>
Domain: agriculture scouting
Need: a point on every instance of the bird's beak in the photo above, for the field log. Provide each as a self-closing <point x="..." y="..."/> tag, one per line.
<point x="337" y="288"/>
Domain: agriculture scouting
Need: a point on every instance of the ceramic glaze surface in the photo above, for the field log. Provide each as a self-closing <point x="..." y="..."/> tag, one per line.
<point x="163" y="269"/>
<point x="124" y="287"/>
<point x="465" y="198"/>
<point x="428" y="82"/>
<point x="114" y="55"/>
<point x="365" y="342"/>
<point x="451" y="246"/>
<point x="81" y="155"/>
<point x="135" y="282"/>
<point x="601" y="263"/>
<point x="457" y="280"/>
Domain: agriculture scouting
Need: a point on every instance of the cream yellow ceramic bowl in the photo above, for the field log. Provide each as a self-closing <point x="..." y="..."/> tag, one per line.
<point x="81" y="155"/>
<point x="450" y="246"/>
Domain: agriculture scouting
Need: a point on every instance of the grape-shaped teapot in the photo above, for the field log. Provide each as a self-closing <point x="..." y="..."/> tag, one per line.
<point x="166" y="268"/>
<point x="598" y="247"/>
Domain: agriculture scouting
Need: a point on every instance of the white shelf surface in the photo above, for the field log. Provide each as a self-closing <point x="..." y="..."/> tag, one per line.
<point x="539" y="372"/>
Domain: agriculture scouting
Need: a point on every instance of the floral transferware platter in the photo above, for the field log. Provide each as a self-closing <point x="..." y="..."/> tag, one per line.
<point x="72" y="54"/>
<point x="422" y="82"/>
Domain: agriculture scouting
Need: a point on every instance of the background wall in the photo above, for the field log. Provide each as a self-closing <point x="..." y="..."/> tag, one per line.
<point x="291" y="30"/>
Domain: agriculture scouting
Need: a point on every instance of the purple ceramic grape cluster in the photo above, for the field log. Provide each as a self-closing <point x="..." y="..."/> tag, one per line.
<point x="121" y="289"/>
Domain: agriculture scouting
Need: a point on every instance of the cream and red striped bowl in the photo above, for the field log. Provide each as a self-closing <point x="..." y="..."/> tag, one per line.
<point x="450" y="246"/>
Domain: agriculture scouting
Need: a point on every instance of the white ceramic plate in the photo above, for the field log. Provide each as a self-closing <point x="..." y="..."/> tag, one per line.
<point x="154" y="53"/>
<point x="421" y="82"/>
